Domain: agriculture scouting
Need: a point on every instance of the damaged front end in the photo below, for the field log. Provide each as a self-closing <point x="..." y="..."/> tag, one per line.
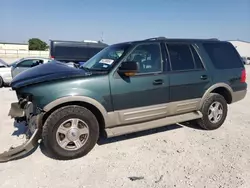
<point x="24" y="111"/>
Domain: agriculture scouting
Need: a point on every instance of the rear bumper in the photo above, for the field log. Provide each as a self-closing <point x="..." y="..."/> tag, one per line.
<point x="238" y="95"/>
<point x="33" y="133"/>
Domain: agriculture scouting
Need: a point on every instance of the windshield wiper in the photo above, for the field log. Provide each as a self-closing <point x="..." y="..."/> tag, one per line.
<point x="89" y="69"/>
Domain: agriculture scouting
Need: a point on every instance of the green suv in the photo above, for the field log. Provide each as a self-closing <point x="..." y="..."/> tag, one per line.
<point x="125" y="88"/>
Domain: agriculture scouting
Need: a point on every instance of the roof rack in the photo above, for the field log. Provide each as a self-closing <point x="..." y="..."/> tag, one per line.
<point x="164" y="38"/>
<point x="214" y="39"/>
<point x="157" y="38"/>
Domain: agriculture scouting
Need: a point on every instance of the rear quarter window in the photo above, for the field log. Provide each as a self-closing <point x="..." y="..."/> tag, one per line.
<point x="223" y="55"/>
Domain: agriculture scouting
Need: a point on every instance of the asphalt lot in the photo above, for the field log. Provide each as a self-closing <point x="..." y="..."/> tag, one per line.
<point x="173" y="156"/>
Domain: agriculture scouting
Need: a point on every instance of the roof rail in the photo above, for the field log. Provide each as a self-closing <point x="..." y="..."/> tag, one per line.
<point x="214" y="39"/>
<point x="157" y="38"/>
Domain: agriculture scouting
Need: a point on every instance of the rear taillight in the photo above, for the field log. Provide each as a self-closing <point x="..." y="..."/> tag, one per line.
<point x="243" y="76"/>
<point x="52" y="57"/>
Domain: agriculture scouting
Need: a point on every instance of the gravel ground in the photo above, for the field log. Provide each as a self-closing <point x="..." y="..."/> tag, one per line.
<point x="174" y="156"/>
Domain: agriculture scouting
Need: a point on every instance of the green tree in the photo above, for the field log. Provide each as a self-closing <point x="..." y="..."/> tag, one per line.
<point x="37" y="44"/>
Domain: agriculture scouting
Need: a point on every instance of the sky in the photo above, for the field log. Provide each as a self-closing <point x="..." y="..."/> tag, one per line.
<point x="125" y="20"/>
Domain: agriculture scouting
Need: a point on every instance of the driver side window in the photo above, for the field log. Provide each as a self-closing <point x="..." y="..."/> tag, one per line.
<point x="147" y="57"/>
<point x="28" y="63"/>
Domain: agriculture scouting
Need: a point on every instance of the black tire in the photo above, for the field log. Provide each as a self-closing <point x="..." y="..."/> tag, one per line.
<point x="56" y="119"/>
<point x="1" y="82"/>
<point x="204" y="122"/>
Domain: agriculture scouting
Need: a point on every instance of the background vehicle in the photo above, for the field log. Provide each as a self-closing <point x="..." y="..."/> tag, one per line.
<point x="74" y="51"/>
<point x="26" y="63"/>
<point x="5" y="73"/>
<point x="246" y="60"/>
<point x="129" y="87"/>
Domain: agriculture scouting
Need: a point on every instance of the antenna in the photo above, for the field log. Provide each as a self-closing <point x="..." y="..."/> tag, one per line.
<point x="102" y="37"/>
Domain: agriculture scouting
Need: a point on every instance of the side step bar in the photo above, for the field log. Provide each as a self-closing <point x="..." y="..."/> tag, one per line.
<point x="126" y="129"/>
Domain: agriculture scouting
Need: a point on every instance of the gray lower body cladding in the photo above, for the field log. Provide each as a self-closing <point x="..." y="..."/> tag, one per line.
<point x="238" y="95"/>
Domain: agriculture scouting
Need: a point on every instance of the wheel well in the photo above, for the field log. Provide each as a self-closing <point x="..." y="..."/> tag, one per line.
<point x="90" y="107"/>
<point x="225" y="93"/>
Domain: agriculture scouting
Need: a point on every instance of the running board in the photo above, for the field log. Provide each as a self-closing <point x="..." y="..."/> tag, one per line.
<point x="126" y="129"/>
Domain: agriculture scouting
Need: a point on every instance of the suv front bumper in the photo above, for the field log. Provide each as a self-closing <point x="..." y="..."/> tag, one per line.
<point x="33" y="133"/>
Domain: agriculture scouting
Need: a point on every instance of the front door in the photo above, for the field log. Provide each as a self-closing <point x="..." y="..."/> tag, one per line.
<point x="143" y="96"/>
<point x="189" y="78"/>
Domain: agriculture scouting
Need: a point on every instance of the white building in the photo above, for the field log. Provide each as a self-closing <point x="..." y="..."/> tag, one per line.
<point x="14" y="46"/>
<point x="242" y="47"/>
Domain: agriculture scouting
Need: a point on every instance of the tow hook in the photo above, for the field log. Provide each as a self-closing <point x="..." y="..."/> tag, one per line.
<point x="22" y="150"/>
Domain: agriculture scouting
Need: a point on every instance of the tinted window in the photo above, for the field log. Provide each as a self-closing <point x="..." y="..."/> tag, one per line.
<point x="197" y="59"/>
<point x="84" y="52"/>
<point x="223" y="55"/>
<point x="30" y="63"/>
<point x="181" y="57"/>
<point x="62" y="51"/>
<point x="148" y="58"/>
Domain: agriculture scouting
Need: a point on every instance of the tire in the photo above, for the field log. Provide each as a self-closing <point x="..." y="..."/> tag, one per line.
<point x="54" y="124"/>
<point x="205" y="122"/>
<point x="1" y="82"/>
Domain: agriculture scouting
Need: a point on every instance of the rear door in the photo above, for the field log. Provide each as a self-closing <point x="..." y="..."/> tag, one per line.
<point x="188" y="76"/>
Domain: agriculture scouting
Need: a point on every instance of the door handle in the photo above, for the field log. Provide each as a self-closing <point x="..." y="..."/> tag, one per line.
<point x="203" y="77"/>
<point x="158" y="82"/>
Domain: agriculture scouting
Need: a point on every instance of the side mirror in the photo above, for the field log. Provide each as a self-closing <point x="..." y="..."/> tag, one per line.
<point x="128" y="68"/>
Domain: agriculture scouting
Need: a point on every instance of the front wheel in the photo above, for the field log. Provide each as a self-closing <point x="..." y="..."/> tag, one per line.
<point x="70" y="132"/>
<point x="214" y="111"/>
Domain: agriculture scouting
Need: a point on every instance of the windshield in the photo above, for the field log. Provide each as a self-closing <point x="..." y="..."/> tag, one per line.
<point x="106" y="58"/>
<point x="15" y="62"/>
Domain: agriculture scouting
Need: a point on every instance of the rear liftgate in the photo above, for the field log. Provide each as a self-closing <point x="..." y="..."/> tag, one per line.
<point x="31" y="141"/>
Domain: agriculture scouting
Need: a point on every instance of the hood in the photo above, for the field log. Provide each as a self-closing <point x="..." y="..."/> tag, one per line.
<point x="50" y="71"/>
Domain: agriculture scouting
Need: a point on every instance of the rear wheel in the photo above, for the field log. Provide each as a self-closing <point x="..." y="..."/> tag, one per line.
<point x="214" y="111"/>
<point x="70" y="132"/>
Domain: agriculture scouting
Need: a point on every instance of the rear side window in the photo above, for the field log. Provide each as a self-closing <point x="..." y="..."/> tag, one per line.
<point x="223" y="55"/>
<point x="181" y="57"/>
<point x="184" y="57"/>
<point x="28" y="63"/>
<point x="197" y="59"/>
